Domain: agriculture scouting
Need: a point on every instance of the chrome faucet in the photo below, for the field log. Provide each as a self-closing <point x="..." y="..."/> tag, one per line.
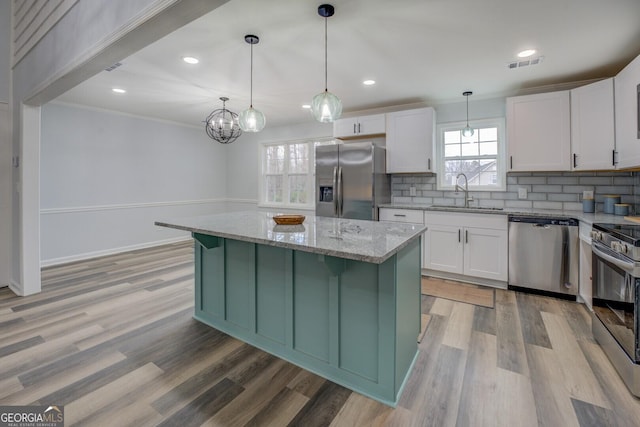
<point x="467" y="199"/>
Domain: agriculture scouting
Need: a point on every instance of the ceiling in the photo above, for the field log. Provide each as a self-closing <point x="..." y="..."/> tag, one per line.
<point x="418" y="51"/>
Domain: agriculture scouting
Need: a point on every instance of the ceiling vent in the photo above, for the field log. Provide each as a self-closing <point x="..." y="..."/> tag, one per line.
<point x="114" y="66"/>
<point x="524" y="63"/>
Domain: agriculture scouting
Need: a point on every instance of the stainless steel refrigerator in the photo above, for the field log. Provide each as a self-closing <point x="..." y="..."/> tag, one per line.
<point x="351" y="180"/>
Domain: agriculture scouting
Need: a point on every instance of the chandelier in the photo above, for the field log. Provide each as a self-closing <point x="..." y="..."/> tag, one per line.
<point x="222" y="124"/>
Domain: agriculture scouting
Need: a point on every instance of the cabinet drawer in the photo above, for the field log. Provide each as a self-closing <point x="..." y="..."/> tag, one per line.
<point x="402" y="215"/>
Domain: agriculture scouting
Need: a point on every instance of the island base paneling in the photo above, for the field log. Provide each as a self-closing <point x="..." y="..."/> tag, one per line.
<point x="352" y="322"/>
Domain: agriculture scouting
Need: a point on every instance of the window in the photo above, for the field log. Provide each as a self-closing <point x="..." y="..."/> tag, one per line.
<point x="288" y="174"/>
<point x="481" y="157"/>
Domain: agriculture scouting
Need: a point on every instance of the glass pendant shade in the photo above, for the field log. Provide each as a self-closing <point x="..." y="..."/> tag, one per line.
<point x="252" y="120"/>
<point x="468" y="130"/>
<point x="326" y="107"/>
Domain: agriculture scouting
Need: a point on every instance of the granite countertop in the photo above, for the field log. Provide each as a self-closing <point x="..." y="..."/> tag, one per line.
<point x="368" y="241"/>
<point x="589" y="218"/>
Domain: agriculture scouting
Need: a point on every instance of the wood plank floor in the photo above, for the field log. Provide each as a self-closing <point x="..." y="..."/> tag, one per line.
<point x="113" y="340"/>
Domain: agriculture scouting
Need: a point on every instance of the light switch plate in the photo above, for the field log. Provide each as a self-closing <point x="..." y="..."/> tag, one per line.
<point x="522" y="193"/>
<point x="587" y="194"/>
<point x="412" y="191"/>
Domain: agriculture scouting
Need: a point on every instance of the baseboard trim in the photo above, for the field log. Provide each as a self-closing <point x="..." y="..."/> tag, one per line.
<point x="16" y="288"/>
<point x="465" y="279"/>
<point x="112" y="251"/>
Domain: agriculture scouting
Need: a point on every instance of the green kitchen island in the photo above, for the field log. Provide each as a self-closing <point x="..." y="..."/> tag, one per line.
<point x="338" y="297"/>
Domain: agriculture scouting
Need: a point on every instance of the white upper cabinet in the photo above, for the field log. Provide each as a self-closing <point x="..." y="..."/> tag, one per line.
<point x="410" y="139"/>
<point x="627" y="98"/>
<point x="359" y="126"/>
<point x="539" y="132"/>
<point x="592" y="126"/>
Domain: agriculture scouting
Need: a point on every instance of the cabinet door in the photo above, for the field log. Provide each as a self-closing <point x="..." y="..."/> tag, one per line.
<point x="410" y="138"/>
<point x="627" y="119"/>
<point x="485" y="253"/>
<point x="345" y="127"/>
<point x="443" y="250"/>
<point x="592" y="123"/>
<point x="371" y="125"/>
<point x="538" y="132"/>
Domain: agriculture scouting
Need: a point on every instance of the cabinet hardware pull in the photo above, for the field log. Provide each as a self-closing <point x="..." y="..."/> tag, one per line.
<point x="402" y="215"/>
<point x="358" y="127"/>
<point x="613" y="157"/>
<point x="510" y="162"/>
<point x="466" y="236"/>
<point x="575" y="160"/>
<point x="429" y="163"/>
<point x="459" y="236"/>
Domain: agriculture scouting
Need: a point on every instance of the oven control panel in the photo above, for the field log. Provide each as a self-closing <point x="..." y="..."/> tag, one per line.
<point x="620" y="247"/>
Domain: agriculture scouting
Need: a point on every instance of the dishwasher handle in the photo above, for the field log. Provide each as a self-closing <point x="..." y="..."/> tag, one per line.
<point x="543" y="226"/>
<point x="544" y="220"/>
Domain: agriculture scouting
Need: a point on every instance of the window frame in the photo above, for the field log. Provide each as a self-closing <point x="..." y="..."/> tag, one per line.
<point x="311" y="174"/>
<point x="501" y="156"/>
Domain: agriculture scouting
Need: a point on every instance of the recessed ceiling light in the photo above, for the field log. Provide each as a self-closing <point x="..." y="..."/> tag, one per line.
<point x="190" y="59"/>
<point x="306" y="106"/>
<point x="369" y="82"/>
<point x="118" y="90"/>
<point x="526" y="53"/>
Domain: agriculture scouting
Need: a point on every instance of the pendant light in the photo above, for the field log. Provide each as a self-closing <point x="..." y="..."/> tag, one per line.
<point x="222" y="124"/>
<point x="251" y="120"/>
<point x="468" y="130"/>
<point x="326" y="107"/>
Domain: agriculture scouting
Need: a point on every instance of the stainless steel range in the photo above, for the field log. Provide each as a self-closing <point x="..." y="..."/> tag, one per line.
<point x="616" y="297"/>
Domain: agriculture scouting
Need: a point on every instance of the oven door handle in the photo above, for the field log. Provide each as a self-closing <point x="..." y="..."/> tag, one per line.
<point x="626" y="266"/>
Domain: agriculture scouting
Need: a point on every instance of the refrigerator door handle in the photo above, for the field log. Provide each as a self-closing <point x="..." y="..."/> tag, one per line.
<point x="335" y="191"/>
<point x="340" y="191"/>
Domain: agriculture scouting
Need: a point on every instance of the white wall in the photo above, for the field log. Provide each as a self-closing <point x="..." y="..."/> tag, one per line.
<point x="5" y="40"/>
<point x="5" y="143"/>
<point x="87" y="39"/>
<point x="5" y="194"/>
<point x="243" y="167"/>
<point x="478" y="109"/>
<point x="106" y="177"/>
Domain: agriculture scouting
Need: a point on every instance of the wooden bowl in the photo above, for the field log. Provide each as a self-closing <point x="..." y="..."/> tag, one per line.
<point x="288" y="219"/>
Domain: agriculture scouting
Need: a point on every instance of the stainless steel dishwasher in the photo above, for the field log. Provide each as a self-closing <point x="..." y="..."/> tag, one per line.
<point x="544" y="255"/>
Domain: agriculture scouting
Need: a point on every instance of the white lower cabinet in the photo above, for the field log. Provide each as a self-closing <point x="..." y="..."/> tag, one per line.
<point x="443" y="249"/>
<point x="472" y="245"/>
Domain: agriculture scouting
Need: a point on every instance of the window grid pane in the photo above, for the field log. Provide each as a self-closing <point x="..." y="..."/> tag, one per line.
<point x="298" y="158"/>
<point x="298" y="189"/>
<point x="273" y="190"/>
<point x="476" y="156"/>
<point x="275" y="159"/>
<point x="288" y="174"/>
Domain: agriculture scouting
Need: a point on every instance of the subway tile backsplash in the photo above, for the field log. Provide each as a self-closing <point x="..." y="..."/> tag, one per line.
<point x="545" y="190"/>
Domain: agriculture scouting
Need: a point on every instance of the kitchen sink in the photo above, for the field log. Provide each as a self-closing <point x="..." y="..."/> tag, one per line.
<point x="470" y="208"/>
